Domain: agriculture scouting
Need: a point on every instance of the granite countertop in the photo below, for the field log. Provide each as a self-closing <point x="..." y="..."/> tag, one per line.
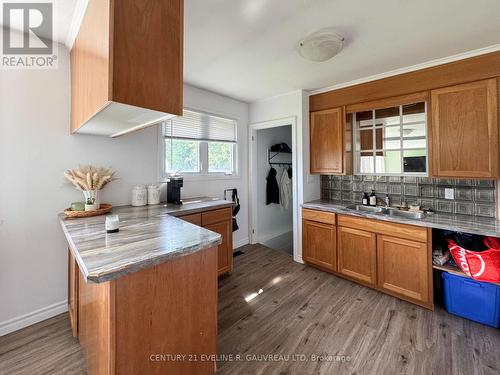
<point x="148" y="236"/>
<point x="459" y="223"/>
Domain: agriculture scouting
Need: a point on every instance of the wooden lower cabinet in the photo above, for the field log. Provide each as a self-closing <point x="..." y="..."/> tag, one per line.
<point x="357" y="254"/>
<point x="219" y="221"/>
<point x="73" y="281"/>
<point x="96" y="328"/>
<point x="193" y="219"/>
<point x="224" y="251"/>
<point x="319" y="244"/>
<point x="390" y="257"/>
<point x="128" y="324"/>
<point x="403" y="267"/>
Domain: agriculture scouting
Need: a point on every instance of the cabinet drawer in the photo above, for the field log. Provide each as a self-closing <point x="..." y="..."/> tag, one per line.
<point x="193" y="219"/>
<point x="216" y="216"/>
<point x="319" y="216"/>
<point x="409" y="232"/>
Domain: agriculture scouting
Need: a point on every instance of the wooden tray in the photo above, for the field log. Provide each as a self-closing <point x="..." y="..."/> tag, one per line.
<point x="103" y="209"/>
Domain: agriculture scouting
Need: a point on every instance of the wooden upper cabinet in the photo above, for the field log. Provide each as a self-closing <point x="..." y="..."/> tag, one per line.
<point x="328" y="135"/>
<point x="126" y="66"/>
<point x="464" y="130"/>
<point x="457" y="72"/>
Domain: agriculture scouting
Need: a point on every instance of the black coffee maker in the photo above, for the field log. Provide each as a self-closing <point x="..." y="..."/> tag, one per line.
<point x="174" y="185"/>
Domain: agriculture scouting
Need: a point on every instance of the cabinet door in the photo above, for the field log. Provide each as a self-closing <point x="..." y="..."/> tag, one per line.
<point x="327" y="141"/>
<point x="225" y="249"/>
<point x="465" y="130"/>
<point x="73" y="276"/>
<point x="319" y="244"/>
<point x="403" y="267"/>
<point x="357" y="251"/>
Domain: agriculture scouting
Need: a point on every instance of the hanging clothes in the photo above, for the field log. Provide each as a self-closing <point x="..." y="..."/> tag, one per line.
<point x="285" y="189"/>
<point x="272" y="188"/>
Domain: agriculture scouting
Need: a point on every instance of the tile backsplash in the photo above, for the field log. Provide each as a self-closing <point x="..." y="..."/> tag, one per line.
<point x="472" y="197"/>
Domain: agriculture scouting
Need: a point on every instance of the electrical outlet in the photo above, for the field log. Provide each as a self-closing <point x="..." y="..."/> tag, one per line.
<point x="449" y="193"/>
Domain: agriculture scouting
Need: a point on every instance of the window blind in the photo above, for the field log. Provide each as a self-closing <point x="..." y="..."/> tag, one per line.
<point x="201" y="126"/>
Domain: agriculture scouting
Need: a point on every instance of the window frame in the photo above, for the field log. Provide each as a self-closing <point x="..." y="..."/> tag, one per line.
<point x="357" y="135"/>
<point x="204" y="174"/>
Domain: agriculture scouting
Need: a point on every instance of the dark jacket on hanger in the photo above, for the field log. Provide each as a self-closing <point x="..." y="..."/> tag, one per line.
<point x="272" y="188"/>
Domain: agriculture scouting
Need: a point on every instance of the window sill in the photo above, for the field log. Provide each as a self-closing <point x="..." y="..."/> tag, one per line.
<point x="205" y="177"/>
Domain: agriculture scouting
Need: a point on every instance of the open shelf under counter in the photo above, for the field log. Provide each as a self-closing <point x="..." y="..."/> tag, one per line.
<point x="453" y="269"/>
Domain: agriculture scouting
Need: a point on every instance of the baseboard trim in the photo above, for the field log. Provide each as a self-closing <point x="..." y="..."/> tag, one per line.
<point x="298" y="259"/>
<point x="270" y="236"/>
<point x="240" y="243"/>
<point x="33" y="317"/>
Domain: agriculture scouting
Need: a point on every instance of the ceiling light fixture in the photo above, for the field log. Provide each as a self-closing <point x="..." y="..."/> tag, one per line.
<point x="321" y="45"/>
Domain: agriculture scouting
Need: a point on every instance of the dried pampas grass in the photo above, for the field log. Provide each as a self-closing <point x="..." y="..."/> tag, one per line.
<point x="90" y="177"/>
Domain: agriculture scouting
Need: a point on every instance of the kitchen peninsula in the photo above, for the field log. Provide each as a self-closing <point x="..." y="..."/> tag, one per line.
<point x="148" y="291"/>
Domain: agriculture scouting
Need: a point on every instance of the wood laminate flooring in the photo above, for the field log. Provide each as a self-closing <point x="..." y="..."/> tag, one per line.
<point x="47" y="347"/>
<point x="273" y="306"/>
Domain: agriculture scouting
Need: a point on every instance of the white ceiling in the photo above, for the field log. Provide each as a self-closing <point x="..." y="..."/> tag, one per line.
<point x="246" y="48"/>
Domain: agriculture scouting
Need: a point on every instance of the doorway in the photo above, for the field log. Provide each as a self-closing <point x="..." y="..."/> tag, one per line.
<point x="273" y="219"/>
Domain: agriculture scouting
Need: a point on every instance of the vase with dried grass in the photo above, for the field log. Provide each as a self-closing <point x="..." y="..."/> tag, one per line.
<point x="90" y="180"/>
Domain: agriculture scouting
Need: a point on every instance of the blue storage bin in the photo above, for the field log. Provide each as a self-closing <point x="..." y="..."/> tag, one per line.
<point x="471" y="299"/>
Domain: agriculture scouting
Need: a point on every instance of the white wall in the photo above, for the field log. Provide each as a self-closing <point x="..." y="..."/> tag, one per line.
<point x="35" y="149"/>
<point x="294" y="104"/>
<point x="196" y="98"/>
<point x="273" y="220"/>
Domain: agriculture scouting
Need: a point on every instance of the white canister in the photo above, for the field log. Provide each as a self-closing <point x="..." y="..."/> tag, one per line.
<point x="153" y="194"/>
<point x="139" y="196"/>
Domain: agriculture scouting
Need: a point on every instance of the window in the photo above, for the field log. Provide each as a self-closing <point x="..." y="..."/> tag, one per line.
<point x="391" y="141"/>
<point x="220" y="157"/>
<point x="198" y="143"/>
<point x="181" y="154"/>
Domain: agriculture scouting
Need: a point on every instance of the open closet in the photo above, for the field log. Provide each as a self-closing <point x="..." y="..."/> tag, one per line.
<point x="274" y="188"/>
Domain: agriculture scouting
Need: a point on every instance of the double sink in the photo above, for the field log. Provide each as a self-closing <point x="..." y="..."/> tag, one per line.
<point x="389" y="211"/>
